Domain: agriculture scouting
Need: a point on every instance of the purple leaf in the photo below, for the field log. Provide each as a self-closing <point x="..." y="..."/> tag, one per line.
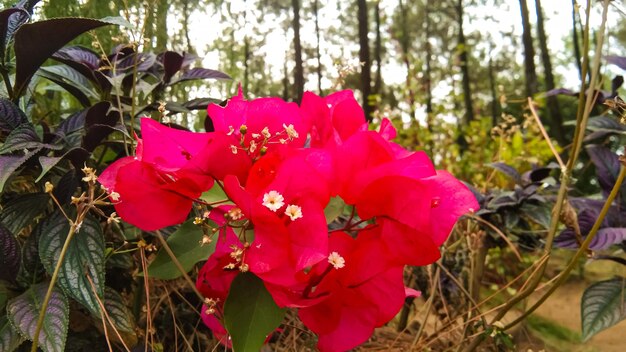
<point x="200" y="103"/>
<point x="10" y="115"/>
<point x="23" y="312"/>
<point x="34" y="44"/>
<point x="200" y="73"/>
<point x="10" y="163"/>
<point x="6" y="26"/>
<point x="78" y="58"/>
<point x="10" y="258"/>
<point x="172" y="63"/>
<point x="619" y="61"/>
<point x="607" y="237"/>
<point x="508" y="171"/>
<point x="607" y="166"/>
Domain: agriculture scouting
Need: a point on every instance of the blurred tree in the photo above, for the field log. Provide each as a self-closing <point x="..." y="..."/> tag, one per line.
<point x="529" y="51"/>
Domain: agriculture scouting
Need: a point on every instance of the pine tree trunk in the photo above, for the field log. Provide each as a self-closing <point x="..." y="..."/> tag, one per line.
<point x="530" y="72"/>
<point x="462" y="48"/>
<point x="299" y="71"/>
<point x="364" y="57"/>
<point x="405" y="44"/>
<point x="556" y="120"/>
<point x="161" y="25"/>
<point x="317" y="47"/>
<point x="378" y="81"/>
<point x="494" y="96"/>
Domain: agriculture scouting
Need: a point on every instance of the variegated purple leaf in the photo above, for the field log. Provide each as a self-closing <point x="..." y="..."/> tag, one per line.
<point x="23" y="312"/>
<point x="10" y="115"/>
<point x="9" y="255"/>
<point x="607" y="166"/>
<point x="199" y="73"/>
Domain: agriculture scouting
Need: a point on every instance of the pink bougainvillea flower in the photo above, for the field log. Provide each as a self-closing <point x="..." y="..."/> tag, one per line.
<point x="332" y="119"/>
<point x="154" y="189"/>
<point x="284" y="198"/>
<point x="263" y="122"/>
<point x="349" y="313"/>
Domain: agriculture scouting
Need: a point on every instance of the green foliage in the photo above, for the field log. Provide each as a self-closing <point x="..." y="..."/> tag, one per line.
<point x="250" y="313"/>
<point x="602" y="306"/>
<point x="9" y="338"/>
<point x="82" y="271"/>
<point x="185" y="243"/>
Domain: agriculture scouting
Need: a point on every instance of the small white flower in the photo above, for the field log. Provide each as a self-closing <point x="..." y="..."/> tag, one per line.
<point x="114" y="196"/>
<point x="253" y="146"/>
<point x="273" y="200"/>
<point x="231" y="130"/>
<point x="235" y="214"/>
<point x="266" y="133"/>
<point x="293" y="211"/>
<point x="336" y="260"/>
<point x="233" y="149"/>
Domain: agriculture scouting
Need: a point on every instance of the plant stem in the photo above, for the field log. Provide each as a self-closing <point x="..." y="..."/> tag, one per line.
<point x="53" y="280"/>
<point x="178" y="265"/>
<point x="582" y="117"/>
<point x="583" y="249"/>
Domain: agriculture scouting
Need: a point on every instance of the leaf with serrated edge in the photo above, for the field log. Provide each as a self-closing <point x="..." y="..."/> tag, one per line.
<point x="22" y="210"/>
<point x="250" y="313"/>
<point x="84" y="257"/>
<point x="185" y="245"/>
<point x="603" y="305"/>
<point x="10" y="259"/>
<point x="10" y="339"/>
<point x="23" y="312"/>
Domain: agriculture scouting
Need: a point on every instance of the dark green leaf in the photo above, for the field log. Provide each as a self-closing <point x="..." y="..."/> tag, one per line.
<point x="200" y="103"/>
<point x="10" y="339"/>
<point x="250" y="313"/>
<point x="120" y="315"/>
<point x="185" y="243"/>
<point x="70" y="80"/>
<point x="10" y="258"/>
<point x="23" y="210"/>
<point x="84" y="259"/>
<point x="508" y="171"/>
<point x="603" y="305"/>
<point x="30" y="268"/>
<point x="23" y="312"/>
<point x="540" y="214"/>
<point x="34" y="44"/>
<point x="49" y="162"/>
<point x="215" y="194"/>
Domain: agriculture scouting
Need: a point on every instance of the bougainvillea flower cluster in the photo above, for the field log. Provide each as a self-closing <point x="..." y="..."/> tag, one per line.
<point x="281" y="165"/>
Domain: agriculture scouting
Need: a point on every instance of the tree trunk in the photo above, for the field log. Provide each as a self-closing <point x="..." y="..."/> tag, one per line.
<point x="530" y="72"/>
<point x="299" y="71"/>
<point x="378" y="81"/>
<point x="494" y="96"/>
<point x="364" y="57"/>
<point x="575" y="40"/>
<point x="161" y="25"/>
<point x="462" y="49"/>
<point x="556" y="120"/>
<point x="317" y="47"/>
<point x="405" y="45"/>
<point x="186" y="25"/>
<point x="428" y="81"/>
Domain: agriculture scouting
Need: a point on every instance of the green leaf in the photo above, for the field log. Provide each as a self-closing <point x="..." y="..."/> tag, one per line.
<point x="120" y="315"/>
<point x="21" y="211"/>
<point x="215" y="194"/>
<point x="185" y="243"/>
<point x="23" y="313"/>
<point x="603" y="305"/>
<point x="250" y="313"/>
<point x="4" y="296"/>
<point x="84" y="259"/>
<point x="334" y="209"/>
<point x="10" y="339"/>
